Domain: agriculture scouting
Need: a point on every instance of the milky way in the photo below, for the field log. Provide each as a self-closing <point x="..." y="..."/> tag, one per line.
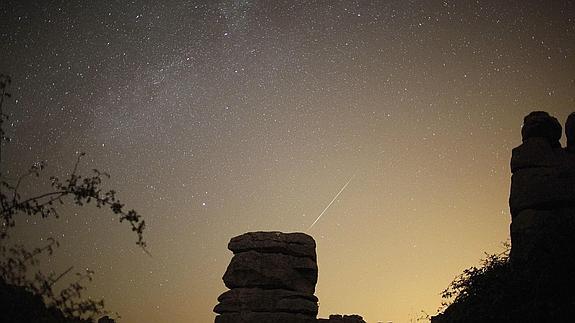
<point x="216" y="118"/>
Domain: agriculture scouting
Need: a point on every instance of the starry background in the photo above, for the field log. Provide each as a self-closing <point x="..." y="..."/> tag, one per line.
<point x="220" y="117"/>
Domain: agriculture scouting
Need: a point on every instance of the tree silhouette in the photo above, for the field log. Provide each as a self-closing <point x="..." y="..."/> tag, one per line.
<point x="482" y="294"/>
<point x="501" y="291"/>
<point x="476" y="281"/>
<point x="16" y="262"/>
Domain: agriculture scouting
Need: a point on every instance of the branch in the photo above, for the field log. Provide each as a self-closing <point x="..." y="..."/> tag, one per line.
<point x="55" y="280"/>
<point x="81" y="190"/>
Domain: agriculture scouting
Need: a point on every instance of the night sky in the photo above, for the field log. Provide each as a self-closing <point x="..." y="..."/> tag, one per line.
<point x="217" y="118"/>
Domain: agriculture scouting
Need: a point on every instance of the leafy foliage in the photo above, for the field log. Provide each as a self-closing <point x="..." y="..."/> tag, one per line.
<point x="476" y="281"/>
<point x="483" y="294"/>
<point x="501" y="290"/>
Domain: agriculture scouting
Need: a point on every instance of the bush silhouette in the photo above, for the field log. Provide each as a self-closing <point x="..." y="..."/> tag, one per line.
<point x="34" y="298"/>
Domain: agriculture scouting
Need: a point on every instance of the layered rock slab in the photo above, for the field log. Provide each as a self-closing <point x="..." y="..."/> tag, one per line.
<point x="336" y="318"/>
<point x="293" y="244"/>
<point x="256" y="317"/>
<point x="271" y="271"/>
<point x="266" y="300"/>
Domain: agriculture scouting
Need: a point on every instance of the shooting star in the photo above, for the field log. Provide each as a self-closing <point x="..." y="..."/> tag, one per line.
<point x="330" y="203"/>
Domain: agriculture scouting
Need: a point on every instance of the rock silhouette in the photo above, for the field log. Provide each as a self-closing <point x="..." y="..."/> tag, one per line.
<point x="542" y="198"/>
<point x="272" y="278"/>
<point x="570" y="132"/>
<point x="542" y="203"/>
<point x="293" y="244"/>
<point x="251" y="269"/>
<point x="539" y="124"/>
<point x="342" y="319"/>
<point x="537" y="282"/>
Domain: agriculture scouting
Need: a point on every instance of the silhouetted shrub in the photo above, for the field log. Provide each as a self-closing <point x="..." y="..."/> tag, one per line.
<point x="498" y="291"/>
<point x="33" y="297"/>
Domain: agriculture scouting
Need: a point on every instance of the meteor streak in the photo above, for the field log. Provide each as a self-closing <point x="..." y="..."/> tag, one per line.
<point x="330" y="203"/>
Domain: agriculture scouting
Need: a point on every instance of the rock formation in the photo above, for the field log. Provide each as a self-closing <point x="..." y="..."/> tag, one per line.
<point x="570" y="132"/>
<point x="542" y="199"/>
<point x="342" y="319"/>
<point x="542" y="203"/>
<point x="536" y="282"/>
<point x="272" y="278"/>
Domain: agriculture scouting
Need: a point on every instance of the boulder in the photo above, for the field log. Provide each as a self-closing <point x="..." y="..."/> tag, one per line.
<point x="293" y="244"/>
<point x="261" y="317"/>
<point x="570" y="133"/>
<point x="336" y="318"/>
<point x="541" y="124"/>
<point x="542" y="188"/>
<point x="266" y="300"/>
<point x="271" y="271"/>
<point x="535" y="152"/>
<point x="272" y="278"/>
<point x="544" y="239"/>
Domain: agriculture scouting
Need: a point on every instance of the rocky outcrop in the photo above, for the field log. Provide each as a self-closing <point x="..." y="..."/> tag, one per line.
<point x="539" y="124"/>
<point x="570" y="132"/>
<point x="542" y="199"/>
<point x="272" y="278"/>
<point x="536" y="282"/>
<point x="266" y="300"/>
<point x="252" y="269"/>
<point x="292" y="244"/>
<point x="343" y="319"/>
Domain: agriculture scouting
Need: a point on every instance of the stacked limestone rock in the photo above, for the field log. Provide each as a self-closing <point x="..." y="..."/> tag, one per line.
<point x="336" y="318"/>
<point x="542" y="199"/>
<point x="272" y="278"/>
<point x="542" y="203"/>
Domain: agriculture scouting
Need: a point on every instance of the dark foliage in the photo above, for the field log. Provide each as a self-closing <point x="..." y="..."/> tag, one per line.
<point x="17" y="262"/>
<point x="498" y="291"/>
<point x="16" y="266"/>
<point x="20" y="305"/>
<point x="80" y="190"/>
<point x="477" y="289"/>
<point x="476" y="281"/>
